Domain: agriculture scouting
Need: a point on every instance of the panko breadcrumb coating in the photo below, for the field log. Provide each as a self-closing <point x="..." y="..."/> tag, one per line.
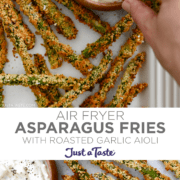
<point x="67" y="177"/>
<point x="107" y="39"/>
<point x="79" y="170"/>
<point x="24" y="32"/>
<point x="127" y="80"/>
<point x="86" y="83"/>
<point x="57" y="80"/>
<point x="103" y="176"/>
<point x="172" y="165"/>
<point x="149" y="172"/>
<point x="50" y="39"/>
<point x="127" y="50"/>
<point x="12" y="32"/>
<point x="63" y="23"/>
<point x="51" y="91"/>
<point x="3" y="59"/>
<point x="56" y="51"/>
<point x="86" y="16"/>
<point x="133" y="92"/>
<point x="109" y="167"/>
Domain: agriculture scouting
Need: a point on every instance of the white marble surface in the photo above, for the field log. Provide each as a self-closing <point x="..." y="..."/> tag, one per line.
<point x="64" y="170"/>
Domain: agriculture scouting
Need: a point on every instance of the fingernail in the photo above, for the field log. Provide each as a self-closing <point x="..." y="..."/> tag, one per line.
<point x="126" y="6"/>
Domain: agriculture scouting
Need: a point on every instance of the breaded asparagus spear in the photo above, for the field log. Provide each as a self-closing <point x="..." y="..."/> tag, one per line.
<point x="127" y="50"/>
<point x="86" y="16"/>
<point x="149" y="172"/>
<point x="3" y="59"/>
<point x="55" y="50"/>
<point x="107" y="39"/>
<point x="40" y="64"/>
<point x="24" y="31"/>
<point x="51" y="91"/>
<point x="128" y="78"/>
<point x="63" y="23"/>
<point x="38" y="80"/>
<point x="103" y="176"/>
<point x="1" y="97"/>
<point x="79" y="170"/>
<point x="66" y="177"/>
<point x="172" y="165"/>
<point x="43" y="28"/>
<point x="133" y="92"/>
<point x="109" y="167"/>
<point x="86" y="83"/>
<point x="93" y="101"/>
<point x="12" y="32"/>
<point x="3" y="48"/>
<point x="154" y="4"/>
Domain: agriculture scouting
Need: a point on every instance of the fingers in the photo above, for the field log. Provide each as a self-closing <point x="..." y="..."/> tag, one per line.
<point x="144" y="17"/>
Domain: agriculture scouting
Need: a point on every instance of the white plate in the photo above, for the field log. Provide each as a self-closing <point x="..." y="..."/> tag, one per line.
<point x="162" y="90"/>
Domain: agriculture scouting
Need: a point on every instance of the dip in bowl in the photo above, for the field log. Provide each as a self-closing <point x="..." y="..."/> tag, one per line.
<point x="102" y="5"/>
<point x="29" y="170"/>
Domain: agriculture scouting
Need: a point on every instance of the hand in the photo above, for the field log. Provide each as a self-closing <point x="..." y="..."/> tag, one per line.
<point x="161" y="31"/>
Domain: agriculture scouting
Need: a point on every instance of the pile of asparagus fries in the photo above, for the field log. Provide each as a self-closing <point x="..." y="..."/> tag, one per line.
<point x="44" y="85"/>
<point x="149" y="172"/>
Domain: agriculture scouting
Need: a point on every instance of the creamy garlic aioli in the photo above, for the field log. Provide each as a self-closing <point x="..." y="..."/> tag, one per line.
<point x="23" y="170"/>
<point x="105" y="1"/>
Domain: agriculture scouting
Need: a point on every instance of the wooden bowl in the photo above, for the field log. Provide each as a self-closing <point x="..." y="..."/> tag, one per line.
<point x="100" y="6"/>
<point x="52" y="170"/>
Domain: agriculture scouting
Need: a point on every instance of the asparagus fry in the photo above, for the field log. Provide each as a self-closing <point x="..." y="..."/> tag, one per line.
<point x="53" y="47"/>
<point x="12" y="32"/>
<point x="109" y="167"/>
<point x="51" y="91"/>
<point x="86" y="83"/>
<point x="38" y="80"/>
<point x="63" y="23"/>
<point x="66" y="177"/>
<point x="40" y="64"/>
<point x="86" y="16"/>
<point x="44" y="29"/>
<point x="3" y="48"/>
<point x="107" y="39"/>
<point x="79" y="170"/>
<point x="103" y="176"/>
<point x="134" y="91"/>
<point x="154" y="4"/>
<point x="127" y="80"/>
<point x="24" y="31"/>
<point x="172" y="165"/>
<point x="149" y="172"/>
<point x="3" y="59"/>
<point x="127" y="50"/>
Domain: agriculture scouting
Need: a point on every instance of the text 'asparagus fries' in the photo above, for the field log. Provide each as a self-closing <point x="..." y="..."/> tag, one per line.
<point x="44" y="84"/>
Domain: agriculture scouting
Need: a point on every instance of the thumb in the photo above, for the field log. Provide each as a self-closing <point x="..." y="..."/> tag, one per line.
<point x="144" y="17"/>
